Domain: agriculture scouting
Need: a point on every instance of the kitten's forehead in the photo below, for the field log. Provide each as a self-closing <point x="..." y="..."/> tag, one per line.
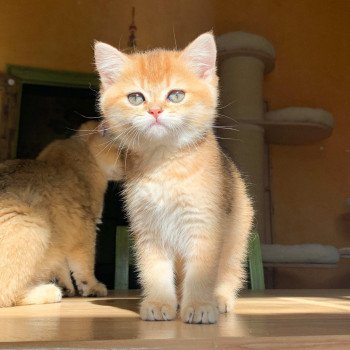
<point x="157" y="67"/>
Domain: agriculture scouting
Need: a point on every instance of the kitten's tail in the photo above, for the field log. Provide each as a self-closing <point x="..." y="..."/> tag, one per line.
<point x="23" y="241"/>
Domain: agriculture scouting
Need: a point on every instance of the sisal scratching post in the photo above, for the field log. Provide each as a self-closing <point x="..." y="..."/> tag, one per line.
<point x="244" y="59"/>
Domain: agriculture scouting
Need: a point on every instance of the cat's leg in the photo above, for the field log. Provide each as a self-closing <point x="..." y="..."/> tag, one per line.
<point x="198" y="304"/>
<point x="23" y="244"/>
<point x="41" y="294"/>
<point x="81" y="262"/>
<point x="156" y="273"/>
<point x="64" y="280"/>
<point x="231" y="272"/>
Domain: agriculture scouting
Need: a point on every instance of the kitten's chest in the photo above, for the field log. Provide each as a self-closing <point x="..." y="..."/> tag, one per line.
<point x="159" y="195"/>
<point x="165" y="205"/>
<point x="162" y="185"/>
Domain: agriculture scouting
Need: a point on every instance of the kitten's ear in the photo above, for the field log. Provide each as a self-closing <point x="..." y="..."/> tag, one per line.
<point x="109" y="63"/>
<point x="200" y="54"/>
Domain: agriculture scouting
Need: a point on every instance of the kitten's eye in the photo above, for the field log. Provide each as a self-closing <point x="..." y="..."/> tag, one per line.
<point x="176" y="96"/>
<point x="136" y="98"/>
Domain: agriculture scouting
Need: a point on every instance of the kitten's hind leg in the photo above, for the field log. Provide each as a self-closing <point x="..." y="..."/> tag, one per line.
<point x="231" y="272"/>
<point x="23" y="243"/>
<point x="41" y="294"/>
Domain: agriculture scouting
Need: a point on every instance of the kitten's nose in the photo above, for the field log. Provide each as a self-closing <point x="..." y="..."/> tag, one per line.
<point x="155" y="112"/>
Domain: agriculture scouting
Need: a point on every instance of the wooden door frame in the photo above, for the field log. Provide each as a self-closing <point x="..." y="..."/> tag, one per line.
<point x="38" y="76"/>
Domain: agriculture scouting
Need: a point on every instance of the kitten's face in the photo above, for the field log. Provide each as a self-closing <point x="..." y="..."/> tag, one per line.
<point x="158" y="97"/>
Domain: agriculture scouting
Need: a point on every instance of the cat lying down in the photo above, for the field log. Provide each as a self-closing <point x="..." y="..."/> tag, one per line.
<point x="49" y="208"/>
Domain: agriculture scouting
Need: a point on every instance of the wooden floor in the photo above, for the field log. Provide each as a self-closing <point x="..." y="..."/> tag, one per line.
<point x="294" y="319"/>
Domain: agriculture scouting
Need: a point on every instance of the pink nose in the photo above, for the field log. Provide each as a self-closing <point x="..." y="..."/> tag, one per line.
<point x="155" y="112"/>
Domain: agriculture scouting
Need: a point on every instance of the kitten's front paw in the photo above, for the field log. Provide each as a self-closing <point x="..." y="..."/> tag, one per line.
<point x="199" y="313"/>
<point x="225" y="303"/>
<point x="157" y="311"/>
<point x="96" y="290"/>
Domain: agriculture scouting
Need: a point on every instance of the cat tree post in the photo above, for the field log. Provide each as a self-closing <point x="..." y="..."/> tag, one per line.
<point x="244" y="58"/>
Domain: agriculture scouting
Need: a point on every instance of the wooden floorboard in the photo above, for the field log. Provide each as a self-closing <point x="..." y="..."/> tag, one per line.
<point x="293" y="319"/>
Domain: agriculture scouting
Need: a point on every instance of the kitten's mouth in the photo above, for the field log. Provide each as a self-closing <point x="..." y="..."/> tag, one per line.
<point x="157" y="124"/>
<point x="157" y="129"/>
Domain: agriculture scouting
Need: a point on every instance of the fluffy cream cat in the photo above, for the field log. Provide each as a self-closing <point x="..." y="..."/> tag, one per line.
<point x="49" y="208"/>
<point x="186" y="200"/>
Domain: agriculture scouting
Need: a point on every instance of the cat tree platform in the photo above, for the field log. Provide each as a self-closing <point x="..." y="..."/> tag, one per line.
<point x="303" y="255"/>
<point x="295" y="125"/>
<point x="300" y="255"/>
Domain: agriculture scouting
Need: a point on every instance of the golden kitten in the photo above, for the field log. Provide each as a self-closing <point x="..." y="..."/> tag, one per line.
<point x="186" y="201"/>
<point x="49" y="208"/>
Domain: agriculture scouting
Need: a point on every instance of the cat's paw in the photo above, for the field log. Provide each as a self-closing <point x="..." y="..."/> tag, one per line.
<point x="68" y="292"/>
<point x="199" y="313"/>
<point x="96" y="290"/>
<point x="66" y="286"/>
<point x="225" y="303"/>
<point x="157" y="311"/>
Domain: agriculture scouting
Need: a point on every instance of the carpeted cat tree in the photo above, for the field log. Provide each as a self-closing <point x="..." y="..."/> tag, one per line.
<point x="244" y="58"/>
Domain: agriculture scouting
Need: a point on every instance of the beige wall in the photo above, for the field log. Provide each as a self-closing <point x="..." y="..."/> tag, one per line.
<point x="312" y="41"/>
<point x="59" y="34"/>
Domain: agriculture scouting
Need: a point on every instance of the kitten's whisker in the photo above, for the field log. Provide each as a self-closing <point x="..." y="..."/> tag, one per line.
<point x="126" y="156"/>
<point x="125" y="133"/>
<point x="224" y="127"/>
<point x="90" y="88"/>
<point x="105" y="147"/>
<point x="226" y="138"/>
<point x="217" y="137"/>
<point x="120" y="146"/>
<point x="133" y="137"/>
<point x="174" y="37"/>
<point x="195" y="142"/>
<point x="226" y="116"/>
<point x="120" y="150"/>
<point x="84" y="116"/>
<point x="86" y="131"/>
<point x="228" y="104"/>
<point x="113" y="140"/>
<point x="138" y="139"/>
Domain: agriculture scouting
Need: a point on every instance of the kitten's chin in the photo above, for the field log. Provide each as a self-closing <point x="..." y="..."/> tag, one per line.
<point x="161" y="136"/>
<point x="157" y="131"/>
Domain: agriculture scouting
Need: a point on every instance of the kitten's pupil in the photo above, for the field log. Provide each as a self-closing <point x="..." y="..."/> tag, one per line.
<point x="176" y="96"/>
<point x="136" y="98"/>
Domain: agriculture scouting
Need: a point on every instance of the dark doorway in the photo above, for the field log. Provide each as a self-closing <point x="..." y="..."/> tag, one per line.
<point x="55" y="112"/>
<point x="51" y="112"/>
